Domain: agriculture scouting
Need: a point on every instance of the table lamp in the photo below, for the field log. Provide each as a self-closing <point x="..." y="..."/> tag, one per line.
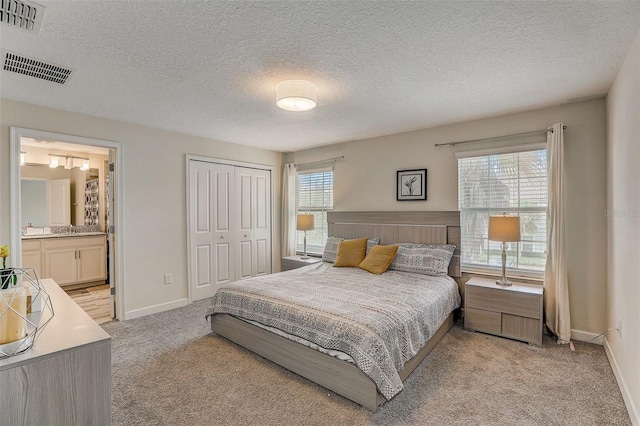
<point x="504" y="229"/>
<point x="305" y="223"/>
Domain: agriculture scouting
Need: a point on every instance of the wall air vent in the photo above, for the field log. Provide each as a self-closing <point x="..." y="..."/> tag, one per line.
<point x="36" y="68"/>
<point x="22" y="14"/>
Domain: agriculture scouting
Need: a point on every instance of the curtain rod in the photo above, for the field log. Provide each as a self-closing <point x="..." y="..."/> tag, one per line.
<point x="534" y="132"/>
<point x="319" y="161"/>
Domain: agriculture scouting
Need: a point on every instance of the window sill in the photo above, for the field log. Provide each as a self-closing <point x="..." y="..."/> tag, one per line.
<point x="535" y="278"/>
<point x="318" y="255"/>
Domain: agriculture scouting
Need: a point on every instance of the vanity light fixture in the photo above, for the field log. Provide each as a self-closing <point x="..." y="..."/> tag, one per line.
<point x="296" y="95"/>
<point x="23" y="158"/>
<point x="70" y="162"/>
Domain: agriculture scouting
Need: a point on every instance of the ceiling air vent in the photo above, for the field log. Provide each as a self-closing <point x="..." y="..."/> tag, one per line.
<point x="36" y="68"/>
<point x="22" y="14"/>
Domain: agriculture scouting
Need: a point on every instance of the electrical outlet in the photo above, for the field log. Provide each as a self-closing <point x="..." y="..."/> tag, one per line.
<point x="620" y="327"/>
<point x="168" y="278"/>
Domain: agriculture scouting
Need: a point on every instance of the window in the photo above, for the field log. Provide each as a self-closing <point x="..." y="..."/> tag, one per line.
<point x="513" y="183"/>
<point x="314" y="194"/>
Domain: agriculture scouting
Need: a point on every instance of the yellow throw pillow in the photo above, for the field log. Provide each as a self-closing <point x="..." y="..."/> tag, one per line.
<point x="351" y="252"/>
<point x="379" y="259"/>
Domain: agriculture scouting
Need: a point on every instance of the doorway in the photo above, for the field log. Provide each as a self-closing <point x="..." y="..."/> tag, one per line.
<point x="93" y="212"/>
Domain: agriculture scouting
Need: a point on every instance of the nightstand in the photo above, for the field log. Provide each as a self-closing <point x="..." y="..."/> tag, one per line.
<point x="294" y="262"/>
<point x="514" y="311"/>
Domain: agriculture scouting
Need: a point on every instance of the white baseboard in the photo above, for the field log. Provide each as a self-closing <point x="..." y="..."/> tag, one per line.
<point x="631" y="408"/>
<point x="137" y="313"/>
<point x="586" y="336"/>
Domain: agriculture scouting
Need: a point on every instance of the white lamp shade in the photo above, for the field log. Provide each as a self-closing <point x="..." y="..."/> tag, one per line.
<point x="296" y="95"/>
<point x="305" y="222"/>
<point x="504" y="228"/>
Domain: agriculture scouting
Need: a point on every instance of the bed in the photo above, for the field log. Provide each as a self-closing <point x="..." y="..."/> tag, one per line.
<point x="365" y="377"/>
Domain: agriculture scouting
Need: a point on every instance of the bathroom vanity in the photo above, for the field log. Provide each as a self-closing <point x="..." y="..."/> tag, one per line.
<point x="68" y="259"/>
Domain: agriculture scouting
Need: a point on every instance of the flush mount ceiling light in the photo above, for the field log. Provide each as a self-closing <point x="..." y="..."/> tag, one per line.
<point x="296" y="95"/>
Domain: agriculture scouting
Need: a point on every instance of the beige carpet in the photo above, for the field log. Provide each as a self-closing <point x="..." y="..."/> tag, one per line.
<point x="169" y="370"/>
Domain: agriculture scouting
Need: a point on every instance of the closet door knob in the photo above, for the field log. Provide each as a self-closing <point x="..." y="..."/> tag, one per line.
<point x="245" y="235"/>
<point x="222" y="237"/>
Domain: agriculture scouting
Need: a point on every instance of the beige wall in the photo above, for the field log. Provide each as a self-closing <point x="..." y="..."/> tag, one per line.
<point x="623" y="203"/>
<point x="154" y="193"/>
<point x="366" y="179"/>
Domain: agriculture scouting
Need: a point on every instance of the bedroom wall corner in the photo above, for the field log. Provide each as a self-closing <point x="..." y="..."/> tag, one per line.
<point x="623" y="224"/>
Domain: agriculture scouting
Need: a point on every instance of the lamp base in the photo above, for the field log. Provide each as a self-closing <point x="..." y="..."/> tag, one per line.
<point x="503" y="282"/>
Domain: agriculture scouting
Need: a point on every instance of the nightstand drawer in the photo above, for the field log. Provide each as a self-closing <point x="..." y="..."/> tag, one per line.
<point x="528" y="329"/>
<point x="511" y="302"/>
<point x="487" y="321"/>
<point x="294" y="262"/>
<point x="513" y="311"/>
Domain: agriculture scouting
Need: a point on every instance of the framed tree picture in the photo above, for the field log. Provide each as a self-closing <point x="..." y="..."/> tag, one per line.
<point x="411" y="185"/>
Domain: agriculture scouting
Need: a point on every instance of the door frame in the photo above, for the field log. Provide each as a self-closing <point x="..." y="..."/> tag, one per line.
<point x="188" y="159"/>
<point x="16" y="133"/>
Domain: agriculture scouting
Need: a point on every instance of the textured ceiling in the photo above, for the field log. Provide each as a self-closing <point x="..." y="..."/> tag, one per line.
<point x="381" y="67"/>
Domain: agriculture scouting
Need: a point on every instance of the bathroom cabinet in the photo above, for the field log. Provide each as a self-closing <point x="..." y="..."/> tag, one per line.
<point x="68" y="260"/>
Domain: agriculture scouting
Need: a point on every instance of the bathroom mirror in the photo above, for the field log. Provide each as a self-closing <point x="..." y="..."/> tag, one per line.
<point x="46" y="200"/>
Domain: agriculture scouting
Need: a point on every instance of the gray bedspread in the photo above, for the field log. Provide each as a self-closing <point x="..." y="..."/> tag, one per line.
<point x="381" y="321"/>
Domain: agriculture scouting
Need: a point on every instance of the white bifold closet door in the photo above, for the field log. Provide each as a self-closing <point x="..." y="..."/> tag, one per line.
<point x="230" y="225"/>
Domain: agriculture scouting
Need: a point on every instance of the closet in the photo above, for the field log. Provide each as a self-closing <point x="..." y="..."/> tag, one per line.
<point x="229" y="224"/>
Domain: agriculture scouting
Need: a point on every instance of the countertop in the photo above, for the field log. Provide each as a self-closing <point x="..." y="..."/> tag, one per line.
<point x="70" y="234"/>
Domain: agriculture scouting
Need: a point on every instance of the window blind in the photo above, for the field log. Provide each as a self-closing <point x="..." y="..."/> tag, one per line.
<point x="513" y="183"/>
<point x="314" y="194"/>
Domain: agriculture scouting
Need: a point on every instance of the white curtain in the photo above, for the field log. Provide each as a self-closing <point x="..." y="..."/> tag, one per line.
<point x="289" y="210"/>
<point x="556" y="283"/>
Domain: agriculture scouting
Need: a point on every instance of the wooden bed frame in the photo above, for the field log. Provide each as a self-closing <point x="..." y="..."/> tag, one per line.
<point x="339" y="376"/>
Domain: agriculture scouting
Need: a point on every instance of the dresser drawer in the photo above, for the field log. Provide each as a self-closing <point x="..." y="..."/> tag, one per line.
<point x="511" y="302"/>
<point x="480" y="320"/>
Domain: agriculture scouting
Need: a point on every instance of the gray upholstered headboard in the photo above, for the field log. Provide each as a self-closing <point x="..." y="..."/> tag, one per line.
<point x="431" y="227"/>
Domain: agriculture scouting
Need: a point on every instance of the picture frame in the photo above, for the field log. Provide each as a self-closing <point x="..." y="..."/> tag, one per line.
<point x="411" y="185"/>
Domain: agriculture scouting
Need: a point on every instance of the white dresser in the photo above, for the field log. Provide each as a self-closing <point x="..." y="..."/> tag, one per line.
<point x="65" y="378"/>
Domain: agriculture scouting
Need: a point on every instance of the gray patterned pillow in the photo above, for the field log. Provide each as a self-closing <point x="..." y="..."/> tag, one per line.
<point x="427" y="259"/>
<point x="372" y="242"/>
<point x="331" y="248"/>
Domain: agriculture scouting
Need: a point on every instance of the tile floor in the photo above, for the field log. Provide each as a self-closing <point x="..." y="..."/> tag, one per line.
<point x="94" y="301"/>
